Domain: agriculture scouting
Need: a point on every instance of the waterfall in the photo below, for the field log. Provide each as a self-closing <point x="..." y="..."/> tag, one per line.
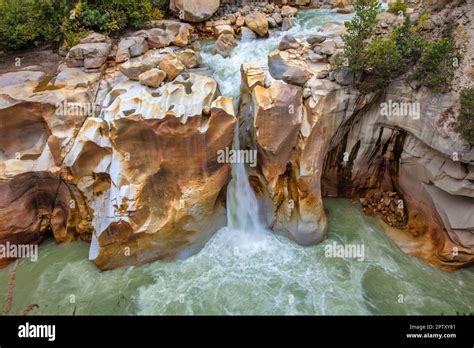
<point x="242" y="206"/>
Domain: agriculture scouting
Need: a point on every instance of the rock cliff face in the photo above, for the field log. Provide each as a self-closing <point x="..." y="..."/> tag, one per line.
<point x="109" y="157"/>
<point x="336" y="142"/>
<point x="413" y="156"/>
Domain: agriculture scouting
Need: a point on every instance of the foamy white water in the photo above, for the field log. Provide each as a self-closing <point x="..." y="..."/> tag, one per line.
<point x="227" y="70"/>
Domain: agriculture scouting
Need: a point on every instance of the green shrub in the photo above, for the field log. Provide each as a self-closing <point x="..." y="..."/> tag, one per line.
<point x="397" y="7"/>
<point x="359" y="32"/>
<point x="466" y="117"/>
<point x="382" y="61"/>
<point x="438" y="63"/>
<point x="105" y="16"/>
<point x="29" y="22"/>
<point x="408" y="43"/>
<point x="25" y="23"/>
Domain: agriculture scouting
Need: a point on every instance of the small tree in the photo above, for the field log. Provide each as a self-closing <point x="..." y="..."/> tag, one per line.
<point x="359" y="32"/>
<point x="438" y="63"/>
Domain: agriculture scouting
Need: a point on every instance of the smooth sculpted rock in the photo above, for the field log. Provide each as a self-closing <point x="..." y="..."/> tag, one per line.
<point x="195" y="10"/>
<point x="257" y="22"/>
<point x="39" y="119"/>
<point x="281" y="67"/>
<point x="161" y="203"/>
<point x="34" y="204"/>
<point x="288" y="199"/>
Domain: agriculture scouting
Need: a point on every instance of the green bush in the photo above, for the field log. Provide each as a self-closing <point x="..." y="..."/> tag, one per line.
<point x="408" y="43"/>
<point x="163" y="5"/>
<point x="397" y="7"/>
<point x="438" y="63"/>
<point x="29" y="22"/>
<point x="466" y="117"/>
<point x="104" y="16"/>
<point x="382" y="61"/>
<point x="359" y="32"/>
<point x="25" y="23"/>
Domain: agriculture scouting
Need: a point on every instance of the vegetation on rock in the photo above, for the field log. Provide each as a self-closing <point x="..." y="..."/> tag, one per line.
<point x="25" y="23"/>
<point x="376" y="60"/>
<point x="397" y="7"/>
<point x="466" y="116"/>
<point x="438" y="63"/>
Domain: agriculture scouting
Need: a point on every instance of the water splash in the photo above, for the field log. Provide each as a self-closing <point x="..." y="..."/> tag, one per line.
<point x="226" y="71"/>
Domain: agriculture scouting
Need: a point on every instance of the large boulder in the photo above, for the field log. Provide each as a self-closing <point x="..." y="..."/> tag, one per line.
<point x="291" y="71"/>
<point x="224" y="45"/>
<point x="194" y="11"/>
<point x="289" y="200"/>
<point x="90" y="53"/>
<point x="257" y="22"/>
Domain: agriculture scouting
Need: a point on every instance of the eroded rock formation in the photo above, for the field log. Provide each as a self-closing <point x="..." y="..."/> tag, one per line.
<point x="345" y="146"/>
<point x="111" y="156"/>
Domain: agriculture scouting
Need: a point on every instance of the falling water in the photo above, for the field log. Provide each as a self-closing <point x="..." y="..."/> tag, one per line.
<point x="242" y="209"/>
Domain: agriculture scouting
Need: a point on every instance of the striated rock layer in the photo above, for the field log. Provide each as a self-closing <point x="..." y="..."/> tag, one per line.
<point x="412" y="156"/>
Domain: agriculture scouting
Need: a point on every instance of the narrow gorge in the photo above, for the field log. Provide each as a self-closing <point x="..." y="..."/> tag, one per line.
<point x="110" y="163"/>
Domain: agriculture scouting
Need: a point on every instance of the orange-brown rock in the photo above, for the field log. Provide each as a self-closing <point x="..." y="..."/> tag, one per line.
<point x="286" y="175"/>
<point x="33" y="204"/>
<point x="166" y="192"/>
<point x="142" y="181"/>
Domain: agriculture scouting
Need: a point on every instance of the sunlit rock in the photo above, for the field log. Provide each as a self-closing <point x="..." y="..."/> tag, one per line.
<point x="194" y="11"/>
